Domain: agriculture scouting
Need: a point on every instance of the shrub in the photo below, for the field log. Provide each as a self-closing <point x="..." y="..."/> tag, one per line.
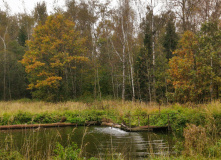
<point x="22" y="117"/>
<point x="71" y="152"/>
<point x="195" y="140"/>
<point x="46" y="118"/>
<point x="10" y="155"/>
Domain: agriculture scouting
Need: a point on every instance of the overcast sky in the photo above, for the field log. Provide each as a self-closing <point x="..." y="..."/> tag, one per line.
<point x="18" y="6"/>
<point x="21" y="6"/>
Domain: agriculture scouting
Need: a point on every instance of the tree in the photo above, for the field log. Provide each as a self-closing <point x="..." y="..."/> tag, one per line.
<point x="210" y="47"/>
<point x="3" y="35"/>
<point x="8" y="33"/>
<point x="26" y="24"/>
<point x="40" y="13"/>
<point x="182" y="70"/>
<point x="85" y="16"/>
<point x="143" y="75"/>
<point x="51" y="58"/>
<point x="151" y="59"/>
<point x="16" y="71"/>
<point x="170" y="39"/>
<point x="122" y="42"/>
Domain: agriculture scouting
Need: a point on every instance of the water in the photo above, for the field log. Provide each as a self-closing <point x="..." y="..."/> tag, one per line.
<point x="94" y="141"/>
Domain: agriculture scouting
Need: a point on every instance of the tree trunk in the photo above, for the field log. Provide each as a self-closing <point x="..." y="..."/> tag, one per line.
<point x="131" y="72"/>
<point x="132" y="80"/>
<point x="4" y="65"/>
<point x="211" y="79"/>
<point x="98" y="84"/>
<point x="153" y="50"/>
<point x="183" y="12"/>
<point x="124" y="68"/>
<point x="149" y="83"/>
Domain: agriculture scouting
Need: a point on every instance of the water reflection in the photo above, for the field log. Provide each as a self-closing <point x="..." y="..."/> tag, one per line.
<point x="98" y="141"/>
<point x="140" y="144"/>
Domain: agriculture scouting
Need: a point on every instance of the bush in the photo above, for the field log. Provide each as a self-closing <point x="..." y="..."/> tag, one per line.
<point x="10" y="155"/>
<point x="22" y="117"/>
<point x="195" y="140"/>
<point x="215" y="150"/>
<point x="4" y="120"/>
<point x="46" y="118"/>
<point x="71" y="152"/>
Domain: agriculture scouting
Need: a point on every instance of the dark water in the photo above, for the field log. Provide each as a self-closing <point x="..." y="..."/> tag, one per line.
<point x="95" y="141"/>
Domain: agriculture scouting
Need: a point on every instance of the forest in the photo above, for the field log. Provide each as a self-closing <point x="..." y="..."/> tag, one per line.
<point x="166" y="51"/>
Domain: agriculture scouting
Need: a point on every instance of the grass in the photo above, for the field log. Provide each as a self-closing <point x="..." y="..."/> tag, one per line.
<point x="32" y="147"/>
<point x="19" y="112"/>
<point x="26" y="111"/>
<point x="40" y="107"/>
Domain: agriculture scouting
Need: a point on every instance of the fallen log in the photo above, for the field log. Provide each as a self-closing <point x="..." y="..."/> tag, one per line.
<point x="107" y="124"/>
<point x="144" y="128"/>
<point x="28" y="126"/>
<point x="114" y="125"/>
<point x="91" y="123"/>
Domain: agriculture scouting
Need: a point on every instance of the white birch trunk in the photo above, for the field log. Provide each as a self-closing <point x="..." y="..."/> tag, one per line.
<point x="4" y="63"/>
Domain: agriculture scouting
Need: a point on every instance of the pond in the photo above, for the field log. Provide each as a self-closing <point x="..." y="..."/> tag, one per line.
<point x="95" y="141"/>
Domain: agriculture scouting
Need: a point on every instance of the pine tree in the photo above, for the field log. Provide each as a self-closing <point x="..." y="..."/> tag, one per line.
<point x="170" y="39"/>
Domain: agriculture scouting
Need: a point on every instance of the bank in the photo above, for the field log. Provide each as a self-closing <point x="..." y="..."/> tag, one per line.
<point x="187" y="117"/>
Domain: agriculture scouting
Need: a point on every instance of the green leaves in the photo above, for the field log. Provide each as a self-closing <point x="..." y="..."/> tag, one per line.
<point x="194" y="71"/>
<point x="71" y="152"/>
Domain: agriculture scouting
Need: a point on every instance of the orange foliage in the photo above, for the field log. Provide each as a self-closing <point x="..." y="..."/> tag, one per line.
<point x="182" y="68"/>
<point x="55" y="47"/>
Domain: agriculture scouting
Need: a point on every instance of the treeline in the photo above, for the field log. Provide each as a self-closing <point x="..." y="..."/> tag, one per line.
<point x="167" y="51"/>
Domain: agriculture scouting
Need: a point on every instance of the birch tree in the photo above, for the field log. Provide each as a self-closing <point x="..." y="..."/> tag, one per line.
<point x="4" y="25"/>
<point x="121" y="42"/>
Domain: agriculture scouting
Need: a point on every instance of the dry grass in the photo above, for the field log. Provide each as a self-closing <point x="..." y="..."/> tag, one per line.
<point x="40" y="107"/>
<point x="117" y="105"/>
<point x="214" y="107"/>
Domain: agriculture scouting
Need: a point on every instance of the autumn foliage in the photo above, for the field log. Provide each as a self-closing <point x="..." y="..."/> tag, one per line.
<point x="94" y="50"/>
<point x="193" y="71"/>
<point x="182" y="68"/>
<point x="53" y="52"/>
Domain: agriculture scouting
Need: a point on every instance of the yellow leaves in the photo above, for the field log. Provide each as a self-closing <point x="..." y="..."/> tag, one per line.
<point x="49" y="82"/>
<point x="35" y="65"/>
<point x="31" y="86"/>
<point x="57" y="63"/>
<point x="44" y="73"/>
<point x="71" y="59"/>
<point x="81" y="59"/>
<point x="31" y="64"/>
<point x="73" y="67"/>
<point x="182" y="64"/>
<point x="54" y="51"/>
<point x="181" y="69"/>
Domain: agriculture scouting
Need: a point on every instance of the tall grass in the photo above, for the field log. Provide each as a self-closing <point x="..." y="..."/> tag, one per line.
<point x="39" y="107"/>
<point x="208" y="115"/>
<point x="17" y="112"/>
